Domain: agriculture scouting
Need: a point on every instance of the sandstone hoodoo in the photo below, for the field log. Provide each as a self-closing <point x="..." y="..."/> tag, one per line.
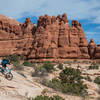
<point x="97" y="51"/>
<point x="92" y="47"/>
<point x="52" y="38"/>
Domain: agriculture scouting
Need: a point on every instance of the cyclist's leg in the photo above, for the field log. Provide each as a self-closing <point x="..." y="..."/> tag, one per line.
<point x="3" y="67"/>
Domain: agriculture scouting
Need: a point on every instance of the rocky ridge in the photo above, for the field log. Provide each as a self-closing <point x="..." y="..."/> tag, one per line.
<point x="52" y="38"/>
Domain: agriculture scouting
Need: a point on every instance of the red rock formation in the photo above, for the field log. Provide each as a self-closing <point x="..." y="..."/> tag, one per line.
<point x="52" y="38"/>
<point x="15" y="38"/>
<point x="92" y="47"/>
<point x="97" y="52"/>
<point x="56" y="39"/>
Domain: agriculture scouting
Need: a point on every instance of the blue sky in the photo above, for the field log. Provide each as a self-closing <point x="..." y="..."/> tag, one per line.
<point x="86" y="11"/>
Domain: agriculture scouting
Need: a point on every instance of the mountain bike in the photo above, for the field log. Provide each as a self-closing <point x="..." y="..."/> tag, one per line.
<point x="7" y="73"/>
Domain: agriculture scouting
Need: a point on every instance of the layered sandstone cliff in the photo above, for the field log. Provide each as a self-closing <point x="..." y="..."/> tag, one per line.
<point x="55" y="38"/>
<point x="52" y="38"/>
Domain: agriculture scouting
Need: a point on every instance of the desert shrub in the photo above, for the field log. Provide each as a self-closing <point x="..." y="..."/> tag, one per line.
<point x="55" y="84"/>
<point x="93" y="66"/>
<point x="27" y="63"/>
<point x="45" y="82"/>
<point x="13" y="58"/>
<point x="60" y="66"/>
<point x="75" y="88"/>
<point x="56" y="97"/>
<point x="69" y="82"/>
<point x="39" y="71"/>
<point x="22" y="57"/>
<point x="41" y="97"/>
<point x="48" y="66"/>
<point x="88" y="78"/>
<point x="45" y="91"/>
<point x="97" y="80"/>
<point x="70" y="75"/>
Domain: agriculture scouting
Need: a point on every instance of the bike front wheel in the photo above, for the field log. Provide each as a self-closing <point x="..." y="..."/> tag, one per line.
<point x="9" y="76"/>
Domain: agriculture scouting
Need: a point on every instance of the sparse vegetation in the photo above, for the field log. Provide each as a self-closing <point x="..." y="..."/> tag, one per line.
<point x="39" y="71"/>
<point x="70" y="75"/>
<point x="43" y="69"/>
<point x="55" y="84"/>
<point x="48" y="66"/>
<point x="44" y="91"/>
<point x="18" y="67"/>
<point x="41" y="97"/>
<point x="22" y="57"/>
<point x="93" y="66"/>
<point x="27" y="63"/>
<point x="69" y="82"/>
<point x="97" y="80"/>
<point x="13" y="58"/>
<point x="88" y="78"/>
<point x="60" y="66"/>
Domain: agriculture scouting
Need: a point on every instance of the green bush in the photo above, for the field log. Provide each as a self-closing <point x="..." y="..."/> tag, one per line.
<point x="56" y="97"/>
<point x="22" y="57"/>
<point x="13" y="58"/>
<point x="88" y="78"/>
<point x="75" y="88"/>
<point x="93" y="66"/>
<point x="69" y="82"/>
<point x="48" y="66"/>
<point x="97" y="80"/>
<point x="55" y="84"/>
<point x="27" y="63"/>
<point x="43" y="69"/>
<point x="70" y="75"/>
<point x="60" y="66"/>
<point x="41" y="97"/>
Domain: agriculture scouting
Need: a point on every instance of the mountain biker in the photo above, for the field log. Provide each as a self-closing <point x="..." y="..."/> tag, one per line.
<point x="4" y="63"/>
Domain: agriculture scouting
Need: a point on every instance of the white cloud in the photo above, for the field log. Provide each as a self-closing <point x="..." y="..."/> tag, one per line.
<point x="15" y="8"/>
<point x="75" y="9"/>
<point x="94" y="35"/>
<point x="98" y="27"/>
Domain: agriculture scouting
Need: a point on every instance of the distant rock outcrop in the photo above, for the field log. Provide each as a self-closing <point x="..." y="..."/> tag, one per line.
<point x="52" y="38"/>
<point x="97" y="52"/>
<point x="92" y="47"/>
